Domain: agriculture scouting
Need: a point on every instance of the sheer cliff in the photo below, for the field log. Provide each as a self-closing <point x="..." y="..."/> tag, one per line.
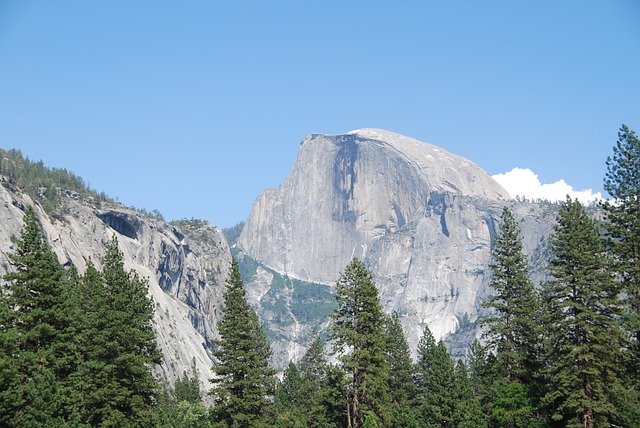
<point x="186" y="275"/>
<point x="420" y="217"/>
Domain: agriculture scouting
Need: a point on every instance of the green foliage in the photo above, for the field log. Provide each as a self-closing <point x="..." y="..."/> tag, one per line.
<point x="514" y="330"/>
<point x="359" y="341"/>
<point x="622" y="182"/>
<point x="483" y="371"/>
<point x="434" y="381"/>
<point x="233" y="233"/>
<point x="187" y="388"/>
<point x="467" y="411"/>
<point x="243" y="378"/>
<point x="36" y="326"/>
<point x="43" y="184"/>
<point x="182" y="406"/>
<point x="398" y="356"/>
<point x="113" y="382"/>
<point x="581" y="308"/>
<point x="513" y="406"/>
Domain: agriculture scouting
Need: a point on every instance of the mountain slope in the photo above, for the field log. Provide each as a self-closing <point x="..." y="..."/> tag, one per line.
<point x="421" y="218"/>
<point x="186" y="276"/>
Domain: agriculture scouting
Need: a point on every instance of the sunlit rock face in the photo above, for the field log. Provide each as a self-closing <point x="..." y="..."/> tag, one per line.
<point x="420" y="217"/>
<point x="186" y="278"/>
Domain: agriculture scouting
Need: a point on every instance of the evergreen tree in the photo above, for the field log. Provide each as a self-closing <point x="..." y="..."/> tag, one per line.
<point x="113" y="384"/>
<point x="514" y="330"/>
<point x="434" y="380"/>
<point x="467" y="412"/>
<point x="401" y="386"/>
<point x="581" y="307"/>
<point x="187" y="387"/>
<point x="37" y="321"/>
<point x="182" y="406"/>
<point x="622" y="182"/>
<point x="360" y="342"/>
<point x="333" y="396"/>
<point x="483" y="371"/>
<point x="289" y="400"/>
<point x="9" y="374"/>
<point x="313" y="371"/>
<point x="243" y="378"/>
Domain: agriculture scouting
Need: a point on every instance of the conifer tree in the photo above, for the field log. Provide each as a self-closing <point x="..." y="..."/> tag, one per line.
<point x="434" y="381"/>
<point x="9" y="374"/>
<point x="401" y="386"/>
<point x="360" y="343"/>
<point x="187" y="387"/>
<point x="581" y="307"/>
<point x="113" y="383"/>
<point x="514" y="330"/>
<point x="243" y="378"/>
<point x="622" y="182"/>
<point x="313" y="371"/>
<point x="483" y="370"/>
<point x="467" y="411"/>
<point x="38" y="319"/>
<point x="290" y="400"/>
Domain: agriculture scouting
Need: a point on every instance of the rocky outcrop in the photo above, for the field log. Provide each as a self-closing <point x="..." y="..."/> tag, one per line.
<point x="420" y="217"/>
<point x="186" y="276"/>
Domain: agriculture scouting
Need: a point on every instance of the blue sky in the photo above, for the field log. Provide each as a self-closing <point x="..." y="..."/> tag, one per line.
<point x="194" y="107"/>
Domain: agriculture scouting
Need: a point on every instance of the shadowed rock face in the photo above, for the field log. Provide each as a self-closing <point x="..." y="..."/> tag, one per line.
<point x="420" y="217"/>
<point x="186" y="278"/>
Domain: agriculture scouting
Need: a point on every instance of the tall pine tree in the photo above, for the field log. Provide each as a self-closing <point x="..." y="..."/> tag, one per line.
<point x="581" y="307"/>
<point x="243" y="379"/>
<point x="434" y="381"/>
<point x="113" y="383"/>
<point x="359" y="338"/>
<point x="39" y="320"/>
<point x="514" y="329"/>
<point x="622" y="182"/>
<point x="401" y="386"/>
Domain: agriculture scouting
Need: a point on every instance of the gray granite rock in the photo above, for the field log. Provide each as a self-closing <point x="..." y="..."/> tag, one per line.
<point x="186" y="276"/>
<point x="421" y="218"/>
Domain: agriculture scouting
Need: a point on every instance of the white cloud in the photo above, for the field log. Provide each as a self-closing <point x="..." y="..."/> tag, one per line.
<point x="525" y="183"/>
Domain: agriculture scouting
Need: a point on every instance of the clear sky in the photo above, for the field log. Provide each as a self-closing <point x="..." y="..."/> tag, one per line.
<point x="194" y="107"/>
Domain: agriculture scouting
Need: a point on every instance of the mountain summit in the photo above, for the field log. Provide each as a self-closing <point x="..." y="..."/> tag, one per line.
<point x="420" y="217"/>
<point x="346" y="191"/>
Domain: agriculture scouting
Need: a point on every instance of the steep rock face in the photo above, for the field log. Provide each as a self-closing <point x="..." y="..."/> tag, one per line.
<point x="186" y="277"/>
<point x="345" y="192"/>
<point x="420" y="217"/>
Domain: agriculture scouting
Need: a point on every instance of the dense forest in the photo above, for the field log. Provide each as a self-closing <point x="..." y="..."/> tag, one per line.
<point x="78" y="349"/>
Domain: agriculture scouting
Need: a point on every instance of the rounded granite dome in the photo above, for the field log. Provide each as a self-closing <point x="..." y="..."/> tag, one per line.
<point x="441" y="170"/>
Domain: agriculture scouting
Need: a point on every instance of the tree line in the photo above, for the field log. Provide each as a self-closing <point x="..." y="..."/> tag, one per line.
<point x="564" y="354"/>
<point x="78" y="349"/>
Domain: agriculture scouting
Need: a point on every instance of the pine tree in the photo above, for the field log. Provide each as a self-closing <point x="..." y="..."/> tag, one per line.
<point x="622" y="182"/>
<point x="182" y="405"/>
<point x="359" y="338"/>
<point x="9" y="374"/>
<point x="581" y="307"/>
<point x="187" y="387"/>
<point x="434" y="381"/>
<point x="38" y="319"/>
<point x="313" y="371"/>
<point x="113" y="383"/>
<point x="514" y="330"/>
<point x="400" y="383"/>
<point x="289" y="400"/>
<point x="333" y="395"/>
<point x="467" y="411"/>
<point x="483" y="372"/>
<point x="243" y="376"/>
